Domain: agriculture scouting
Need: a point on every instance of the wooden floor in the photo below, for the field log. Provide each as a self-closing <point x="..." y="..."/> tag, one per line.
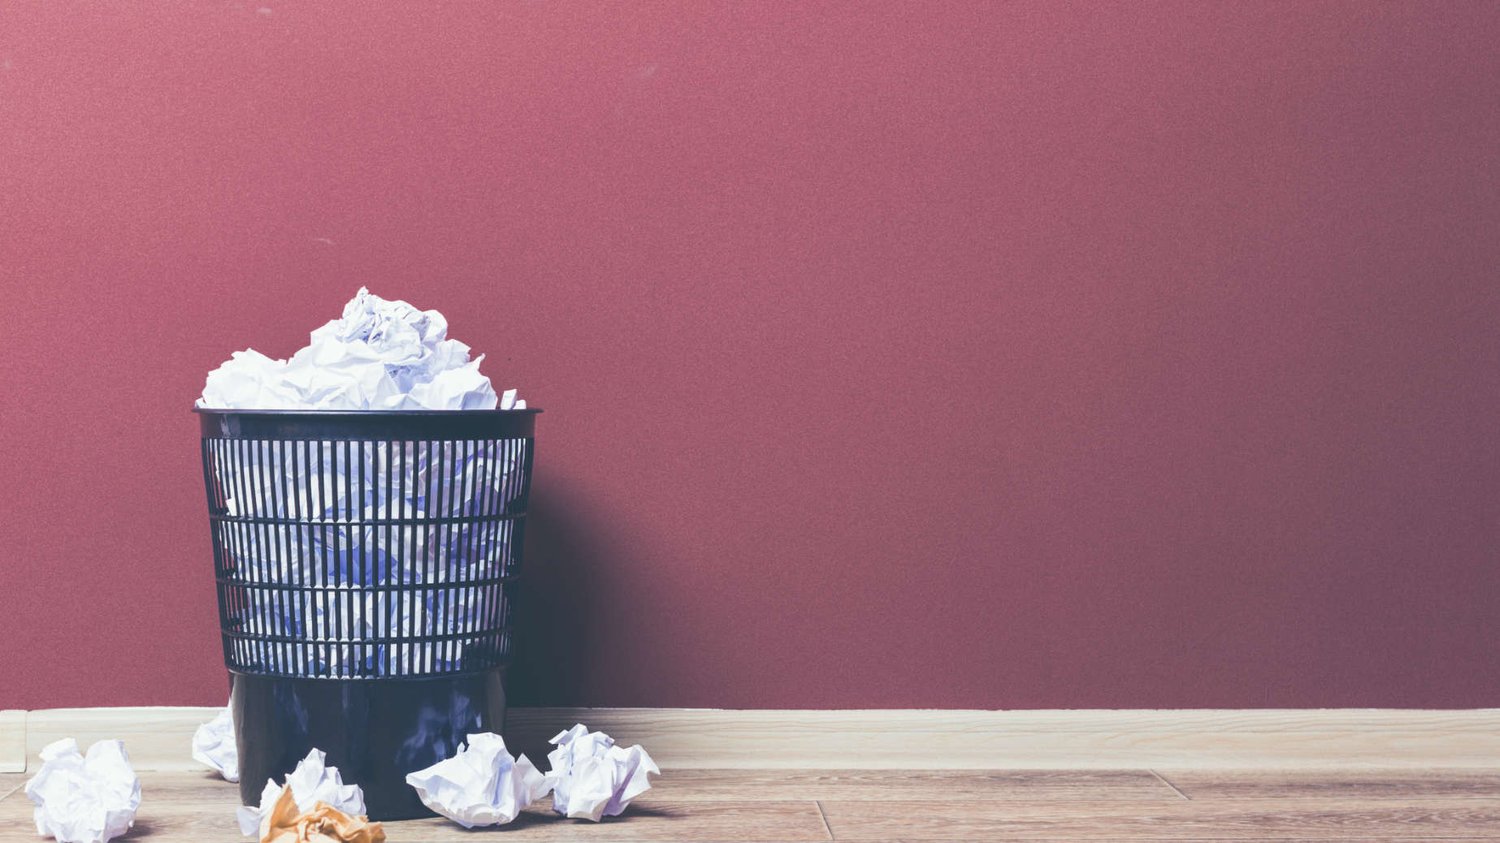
<point x="768" y="805"/>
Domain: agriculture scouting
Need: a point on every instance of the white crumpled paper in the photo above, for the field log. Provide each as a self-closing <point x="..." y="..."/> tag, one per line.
<point x="84" y="798"/>
<point x="312" y="782"/>
<point x="592" y="777"/>
<point x="214" y="746"/>
<point x="481" y="785"/>
<point x="380" y="355"/>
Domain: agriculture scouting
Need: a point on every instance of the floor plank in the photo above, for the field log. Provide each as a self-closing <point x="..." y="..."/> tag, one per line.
<point x="1182" y="820"/>
<point x="1037" y="785"/>
<point x="806" y="785"/>
<point x="913" y="785"/>
<point x="747" y="806"/>
<point x="1336" y="784"/>
<point x="665" y="821"/>
<point x="192" y="807"/>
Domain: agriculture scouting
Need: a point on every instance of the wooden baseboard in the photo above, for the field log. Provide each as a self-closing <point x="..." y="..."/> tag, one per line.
<point x="159" y="738"/>
<point x="12" y="741"/>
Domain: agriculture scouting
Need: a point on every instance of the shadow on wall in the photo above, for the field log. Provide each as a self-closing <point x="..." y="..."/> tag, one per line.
<point x="562" y="606"/>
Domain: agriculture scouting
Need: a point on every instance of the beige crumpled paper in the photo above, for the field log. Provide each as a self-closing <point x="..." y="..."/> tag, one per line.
<point x="323" y="824"/>
<point x="312" y="782"/>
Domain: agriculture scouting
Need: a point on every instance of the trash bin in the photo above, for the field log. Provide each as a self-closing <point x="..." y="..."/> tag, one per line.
<point x="366" y="567"/>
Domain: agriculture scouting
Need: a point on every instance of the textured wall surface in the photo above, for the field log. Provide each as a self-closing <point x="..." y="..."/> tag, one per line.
<point x="893" y="354"/>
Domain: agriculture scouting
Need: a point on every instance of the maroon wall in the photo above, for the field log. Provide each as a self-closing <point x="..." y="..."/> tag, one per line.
<point x="894" y="354"/>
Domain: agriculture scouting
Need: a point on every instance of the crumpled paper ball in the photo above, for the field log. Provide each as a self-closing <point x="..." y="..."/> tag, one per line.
<point x="592" y="777"/>
<point x="84" y="798"/>
<point x="380" y="355"/>
<point x="214" y="746"/>
<point x="480" y="785"/>
<point x="313" y="781"/>
<point x="285" y="823"/>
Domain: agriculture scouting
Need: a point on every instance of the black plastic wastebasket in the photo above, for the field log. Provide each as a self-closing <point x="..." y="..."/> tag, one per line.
<point x="366" y="567"/>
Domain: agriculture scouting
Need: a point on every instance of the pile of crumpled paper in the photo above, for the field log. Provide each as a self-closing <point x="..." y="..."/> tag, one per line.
<point x="93" y="798"/>
<point x="590" y="778"/>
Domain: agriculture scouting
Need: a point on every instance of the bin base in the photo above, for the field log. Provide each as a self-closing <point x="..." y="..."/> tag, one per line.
<point x="374" y="731"/>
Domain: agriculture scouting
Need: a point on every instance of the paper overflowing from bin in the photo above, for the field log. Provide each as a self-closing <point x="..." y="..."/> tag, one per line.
<point x="306" y="522"/>
<point x="594" y="778"/>
<point x="323" y="823"/>
<point x="313" y="781"/>
<point x="380" y="355"/>
<point x="480" y="785"/>
<point x="214" y="745"/>
<point x="84" y="798"/>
